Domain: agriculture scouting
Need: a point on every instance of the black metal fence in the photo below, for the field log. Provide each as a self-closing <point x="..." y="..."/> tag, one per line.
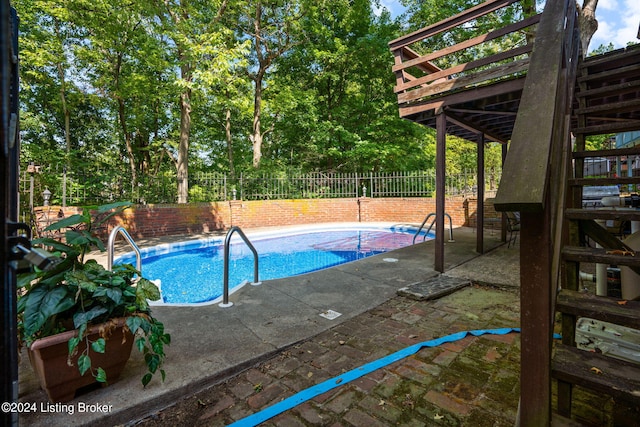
<point x="74" y="189"/>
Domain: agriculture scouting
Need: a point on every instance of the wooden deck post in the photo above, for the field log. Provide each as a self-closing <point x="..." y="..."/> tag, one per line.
<point x="536" y="251"/>
<point x="503" y="227"/>
<point x="480" y="201"/>
<point x="441" y="137"/>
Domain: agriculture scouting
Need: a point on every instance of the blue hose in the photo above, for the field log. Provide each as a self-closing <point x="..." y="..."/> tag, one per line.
<point x="354" y="374"/>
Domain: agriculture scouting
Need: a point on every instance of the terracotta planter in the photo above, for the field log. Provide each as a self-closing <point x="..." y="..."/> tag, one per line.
<point x="49" y="355"/>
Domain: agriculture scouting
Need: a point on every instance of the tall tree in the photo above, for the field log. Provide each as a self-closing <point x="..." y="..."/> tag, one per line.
<point x="273" y="28"/>
<point x="197" y="38"/>
<point x="45" y="51"/>
<point x="125" y="61"/>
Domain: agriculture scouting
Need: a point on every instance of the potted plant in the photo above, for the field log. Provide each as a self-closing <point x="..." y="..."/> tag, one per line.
<point x="86" y="311"/>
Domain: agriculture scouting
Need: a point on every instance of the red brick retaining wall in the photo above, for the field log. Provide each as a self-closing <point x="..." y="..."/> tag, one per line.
<point x="160" y="220"/>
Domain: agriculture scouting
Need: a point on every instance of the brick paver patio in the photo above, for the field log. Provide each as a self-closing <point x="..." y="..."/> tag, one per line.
<point x="473" y="381"/>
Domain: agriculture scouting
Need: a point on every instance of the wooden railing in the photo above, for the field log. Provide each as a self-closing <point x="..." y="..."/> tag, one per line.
<point x="534" y="182"/>
<point x="422" y="73"/>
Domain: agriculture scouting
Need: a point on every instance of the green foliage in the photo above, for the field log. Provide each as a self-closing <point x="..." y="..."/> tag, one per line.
<point x="75" y="294"/>
<point x="133" y="75"/>
<point x="333" y="98"/>
<point x="602" y="49"/>
<point x="599" y="142"/>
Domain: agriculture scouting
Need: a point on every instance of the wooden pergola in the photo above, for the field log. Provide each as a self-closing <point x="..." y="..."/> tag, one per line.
<point x="477" y="100"/>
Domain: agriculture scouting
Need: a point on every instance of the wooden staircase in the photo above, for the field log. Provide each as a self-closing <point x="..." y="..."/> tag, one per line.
<point x="536" y="96"/>
<point x="606" y="100"/>
<point x="565" y="100"/>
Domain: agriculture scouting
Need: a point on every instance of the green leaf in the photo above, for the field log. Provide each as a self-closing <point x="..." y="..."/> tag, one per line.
<point x="116" y="205"/>
<point x="50" y="242"/>
<point x="80" y="279"/>
<point x="99" y="345"/>
<point x="67" y="222"/>
<point x="77" y="238"/>
<point x="166" y="338"/>
<point x="72" y="344"/>
<point x="117" y="281"/>
<point x="146" y="379"/>
<point x="26" y="279"/>
<point x="158" y="346"/>
<point x="153" y="362"/>
<point x="130" y="291"/>
<point x="140" y="344"/>
<point x="101" y="376"/>
<point x="85" y="317"/>
<point x="41" y="304"/>
<point x="84" y="363"/>
<point x="89" y="240"/>
<point x="98" y="244"/>
<point x="56" y="301"/>
<point x="32" y="318"/>
<point x="147" y="290"/>
<point x="115" y="294"/>
<point x="82" y="329"/>
<point x="133" y="323"/>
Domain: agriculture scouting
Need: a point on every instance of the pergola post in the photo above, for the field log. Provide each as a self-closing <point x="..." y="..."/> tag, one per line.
<point x="441" y="137"/>
<point x="503" y="228"/>
<point x="480" y="201"/>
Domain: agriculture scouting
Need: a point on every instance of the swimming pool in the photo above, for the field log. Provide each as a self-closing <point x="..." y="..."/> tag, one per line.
<point x="191" y="272"/>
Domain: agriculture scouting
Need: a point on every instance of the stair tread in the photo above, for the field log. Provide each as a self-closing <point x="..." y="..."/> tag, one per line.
<point x="600" y="255"/>
<point x="613" y="89"/>
<point x="607" y="309"/>
<point x="615" y="377"/>
<point x="605" y="181"/>
<point x="598" y="61"/>
<point x="629" y="151"/>
<point x="620" y="124"/>
<point x="610" y="214"/>
<point x="613" y="106"/>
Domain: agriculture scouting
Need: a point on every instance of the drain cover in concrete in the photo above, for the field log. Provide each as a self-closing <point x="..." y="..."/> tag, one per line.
<point x="330" y="314"/>
<point x="433" y="288"/>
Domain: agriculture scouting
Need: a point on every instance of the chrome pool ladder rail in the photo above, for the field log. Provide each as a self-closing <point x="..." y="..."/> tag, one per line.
<point x="111" y="247"/>
<point x="433" y="214"/>
<point x="227" y="241"/>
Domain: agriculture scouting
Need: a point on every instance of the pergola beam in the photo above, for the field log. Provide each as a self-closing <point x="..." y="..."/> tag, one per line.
<point x="456" y="119"/>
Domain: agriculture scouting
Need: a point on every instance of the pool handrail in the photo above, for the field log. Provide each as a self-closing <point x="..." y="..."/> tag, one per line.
<point x="235" y="229"/>
<point x="431" y="225"/>
<point x="111" y="247"/>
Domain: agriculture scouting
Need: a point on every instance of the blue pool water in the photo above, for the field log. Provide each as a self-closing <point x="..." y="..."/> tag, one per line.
<point x="192" y="272"/>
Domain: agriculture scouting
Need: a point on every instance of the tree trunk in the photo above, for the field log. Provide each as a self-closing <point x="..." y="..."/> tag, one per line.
<point x="529" y="9"/>
<point x="183" y="146"/>
<point x="65" y="111"/>
<point x="127" y="140"/>
<point x="227" y="130"/>
<point x="588" y="23"/>
<point x="256" y="136"/>
<point x="178" y="16"/>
